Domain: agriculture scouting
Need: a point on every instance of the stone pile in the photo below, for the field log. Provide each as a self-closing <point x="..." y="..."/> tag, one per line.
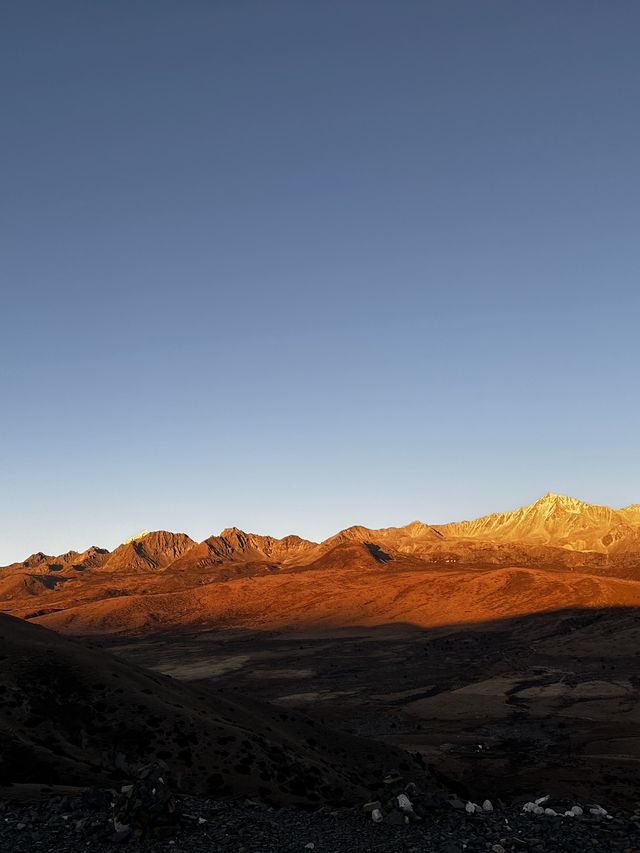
<point x="147" y="808"/>
<point x="401" y="803"/>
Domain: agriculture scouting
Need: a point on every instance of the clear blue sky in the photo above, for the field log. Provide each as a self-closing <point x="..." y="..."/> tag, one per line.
<point x="296" y="265"/>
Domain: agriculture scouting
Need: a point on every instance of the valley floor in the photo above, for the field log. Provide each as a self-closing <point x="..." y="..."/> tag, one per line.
<point x="542" y="703"/>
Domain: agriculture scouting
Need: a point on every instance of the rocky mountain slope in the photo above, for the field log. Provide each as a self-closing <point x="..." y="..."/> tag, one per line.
<point x="555" y="552"/>
<point x="558" y="520"/>
<point x="148" y="552"/>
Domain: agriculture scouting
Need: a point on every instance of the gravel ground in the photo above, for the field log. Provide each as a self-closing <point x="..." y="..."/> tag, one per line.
<point x="67" y="826"/>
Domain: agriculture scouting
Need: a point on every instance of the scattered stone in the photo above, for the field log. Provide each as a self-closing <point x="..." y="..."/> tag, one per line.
<point x="405" y="804"/>
<point x="373" y="806"/>
<point x="487" y="806"/>
<point x="147" y="808"/>
<point x="240" y="827"/>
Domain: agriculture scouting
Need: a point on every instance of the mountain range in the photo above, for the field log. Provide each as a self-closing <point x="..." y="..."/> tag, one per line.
<point x="557" y="551"/>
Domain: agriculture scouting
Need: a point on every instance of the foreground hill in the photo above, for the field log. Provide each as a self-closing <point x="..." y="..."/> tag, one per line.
<point x="71" y="714"/>
<point x="556" y="552"/>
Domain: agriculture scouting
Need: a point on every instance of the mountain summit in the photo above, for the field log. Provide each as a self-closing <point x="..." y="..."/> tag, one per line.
<point x="554" y="519"/>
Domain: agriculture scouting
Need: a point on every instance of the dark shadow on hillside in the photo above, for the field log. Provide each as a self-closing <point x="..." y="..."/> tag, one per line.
<point x="377" y="552"/>
<point x="72" y="715"/>
<point x="547" y="702"/>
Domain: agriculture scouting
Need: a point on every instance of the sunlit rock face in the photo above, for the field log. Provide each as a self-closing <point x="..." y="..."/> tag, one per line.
<point x="558" y="520"/>
<point x="149" y="551"/>
<point x="137" y="536"/>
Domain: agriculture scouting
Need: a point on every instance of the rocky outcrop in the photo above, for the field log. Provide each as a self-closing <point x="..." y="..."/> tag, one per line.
<point x="148" y="552"/>
<point x="557" y="520"/>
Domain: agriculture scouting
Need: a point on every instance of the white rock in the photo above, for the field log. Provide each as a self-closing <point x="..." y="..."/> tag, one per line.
<point x="541" y="800"/>
<point x="569" y="814"/>
<point x="576" y="811"/>
<point x="472" y="808"/>
<point x="551" y="812"/>
<point x="376" y="816"/>
<point x="310" y="846"/>
<point x="404" y="803"/>
<point x="538" y="810"/>
<point x="487" y="806"/>
<point x="598" y="811"/>
<point x="529" y="807"/>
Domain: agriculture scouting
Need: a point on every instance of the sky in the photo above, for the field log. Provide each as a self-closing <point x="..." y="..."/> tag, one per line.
<point x="291" y="266"/>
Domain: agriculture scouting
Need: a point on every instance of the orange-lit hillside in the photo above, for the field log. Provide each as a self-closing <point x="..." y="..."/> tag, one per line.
<point x="557" y="552"/>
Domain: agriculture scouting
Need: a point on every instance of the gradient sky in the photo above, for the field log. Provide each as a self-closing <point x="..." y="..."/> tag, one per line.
<point x="292" y="266"/>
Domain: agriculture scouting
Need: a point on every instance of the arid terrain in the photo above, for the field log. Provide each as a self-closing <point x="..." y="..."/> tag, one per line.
<point x="505" y="651"/>
<point x="555" y="553"/>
